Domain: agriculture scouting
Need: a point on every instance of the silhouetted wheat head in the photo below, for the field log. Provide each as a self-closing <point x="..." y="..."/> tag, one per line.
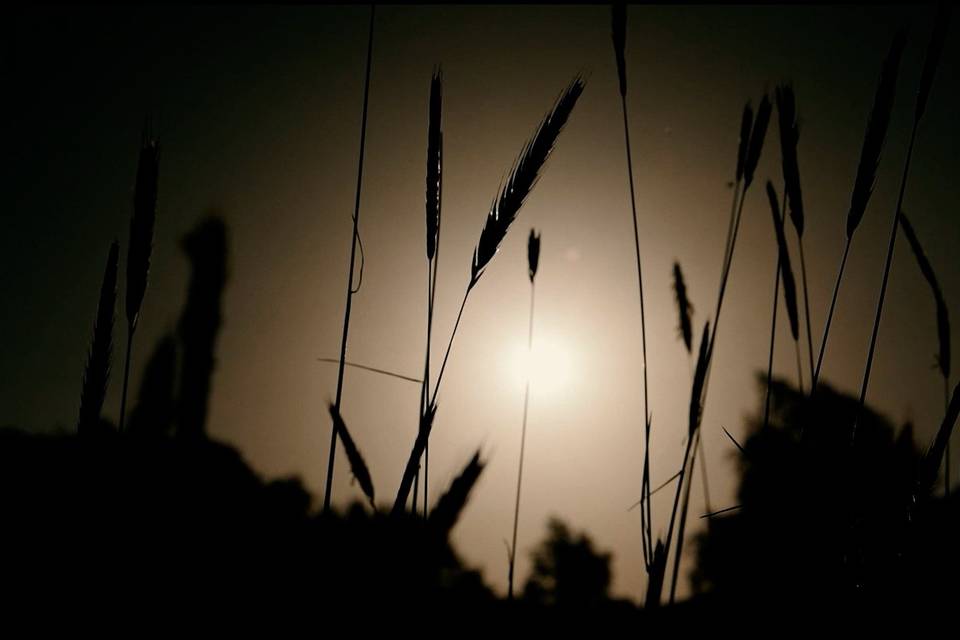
<point x="699" y="379"/>
<point x="523" y="177"/>
<point x="876" y="134"/>
<point x="757" y="136"/>
<point x="786" y="272"/>
<point x="357" y="464"/>
<point x="533" y="254"/>
<point x="96" y="375"/>
<point x="434" y="166"/>
<point x="451" y="504"/>
<point x="789" y="137"/>
<point x="684" y="307"/>
<point x="142" y="225"/>
<point x="943" y="319"/>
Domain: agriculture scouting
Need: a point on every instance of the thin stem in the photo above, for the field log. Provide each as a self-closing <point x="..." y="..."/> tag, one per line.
<point x="662" y="485"/>
<point x="833" y="304"/>
<point x="796" y="345"/>
<point x="676" y="499"/>
<point x="424" y="388"/>
<point x="523" y="440"/>
<point x="703" y="472"/>
<point x="773" y="322"/>
<point x="645" y="510"/>
<point x="443" y="367"/>
<point x="683" y="520"/>
<point x="946" y="406"/>
<point x="773" y="335"/>
<point x="728" y="262"/>
<point x="392" y="374"/>
<point x="806" y="303"/>
<point x="353" y="252"/>
<point x="126" y="377"/>
<point x="886" y="276"/>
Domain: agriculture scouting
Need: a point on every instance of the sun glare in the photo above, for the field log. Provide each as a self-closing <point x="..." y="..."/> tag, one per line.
<point x="548" y="366"/>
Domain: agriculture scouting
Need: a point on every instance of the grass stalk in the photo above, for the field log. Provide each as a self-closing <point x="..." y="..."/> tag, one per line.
<point x="873" y="142"/>
<point x="619" y="44"/>
<point x="523" y="440"/>
<point x="328" y="488"/>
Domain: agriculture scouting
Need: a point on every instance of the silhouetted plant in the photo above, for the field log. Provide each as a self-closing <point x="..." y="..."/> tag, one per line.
<point x="140" y="246"/>
<point x="357" y="464"/>
<point x="932" y="59"/>
<point x="434" y="198"/>
<point x="789" y="138"/>
<point x="451" y="504"/>
<point x="96" y="375"/>
<point x="619" y="44"/>
<point x="523" y="176"/>
<point x="686" y="476"/>
<point x="684" y="308"/>
<point x="943" y="323"/>
<point x="533" y="262"/>
<point x="783" y="273"/>
<point x="866" y="171"/>
<point x="354" y="241"/>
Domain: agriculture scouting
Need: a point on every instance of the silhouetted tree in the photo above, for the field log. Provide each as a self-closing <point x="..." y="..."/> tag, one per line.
<point x="567" y="571"/>
<point x="826" y="518"/>
<point x="206" y="248"/>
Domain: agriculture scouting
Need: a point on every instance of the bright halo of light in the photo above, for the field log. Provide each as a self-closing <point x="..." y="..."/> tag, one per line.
<point x="548" y="366"/>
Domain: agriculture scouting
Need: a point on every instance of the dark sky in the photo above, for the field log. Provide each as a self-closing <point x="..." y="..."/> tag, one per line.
<point x="258" y="110"/>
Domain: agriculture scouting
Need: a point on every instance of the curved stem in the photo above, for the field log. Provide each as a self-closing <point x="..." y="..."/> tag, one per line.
<point x="773" y="336"/>
<point x="645" y="512"/>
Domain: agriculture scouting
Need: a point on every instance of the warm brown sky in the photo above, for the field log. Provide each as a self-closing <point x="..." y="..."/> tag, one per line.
<point x="259" y="112"/>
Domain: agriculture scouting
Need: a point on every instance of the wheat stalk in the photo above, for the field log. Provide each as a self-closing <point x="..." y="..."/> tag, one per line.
<point x="354" y="237"/>
<point x="619" y="29"/>
<point x="140" y="245"/>
<point x="523" y="177"/>
<point x="931" y="60"/>
<point x="533" y="262"/>
<point x="789" y="138"/>
<point x="433" y="207"/>
<point x="693" y="426"/>
<point x="866" y="171"/>
<point x="783" y="273"/>
<point x="943" y="322"/>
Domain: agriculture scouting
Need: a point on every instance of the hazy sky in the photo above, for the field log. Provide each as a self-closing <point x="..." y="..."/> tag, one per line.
<point x="258" y="110"/>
